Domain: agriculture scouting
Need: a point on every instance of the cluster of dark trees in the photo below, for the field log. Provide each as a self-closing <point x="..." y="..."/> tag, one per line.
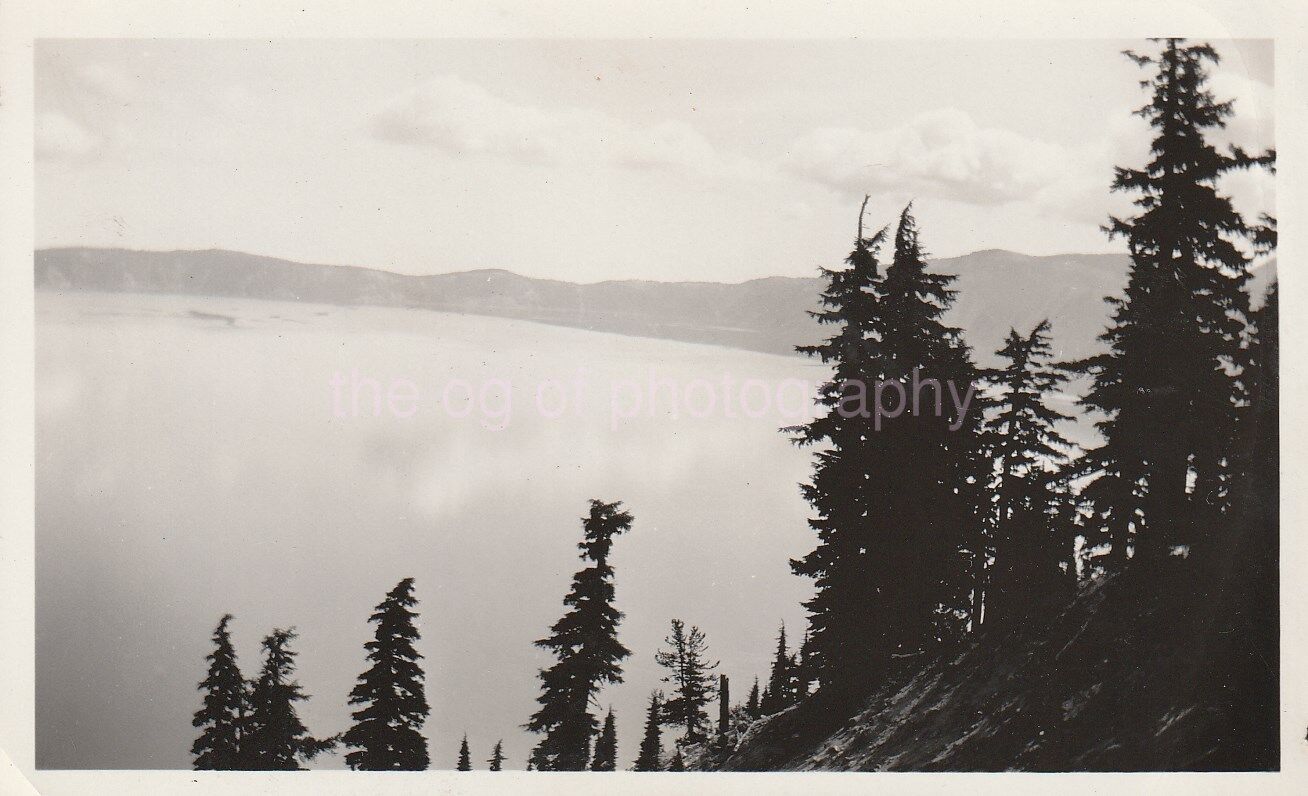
<point x="589" y="656"/>
<point x="934" y="523"/>
<point x="927" y="534"/>
<point x="253" y="725"/>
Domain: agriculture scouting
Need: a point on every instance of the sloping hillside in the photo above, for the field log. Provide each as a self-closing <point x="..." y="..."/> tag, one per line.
<point x="1134" y="674"/>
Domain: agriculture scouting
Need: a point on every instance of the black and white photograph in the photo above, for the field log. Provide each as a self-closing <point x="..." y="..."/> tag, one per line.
<point x="658" y="404"/>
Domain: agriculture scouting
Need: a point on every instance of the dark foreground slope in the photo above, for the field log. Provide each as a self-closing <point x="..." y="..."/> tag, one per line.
<point x="1156" y="673"/>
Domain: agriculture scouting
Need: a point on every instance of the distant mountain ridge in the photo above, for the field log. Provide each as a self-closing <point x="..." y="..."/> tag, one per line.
<point x="996" y="289"/>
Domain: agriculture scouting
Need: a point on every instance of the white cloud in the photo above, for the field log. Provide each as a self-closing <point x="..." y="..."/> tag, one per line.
<point x="941" y="153"/>
<point x="58" y="137"/>
<point x="945" y="154"/>
<point x="462" y="118"/>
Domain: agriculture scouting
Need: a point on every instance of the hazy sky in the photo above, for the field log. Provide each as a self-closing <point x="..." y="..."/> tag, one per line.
<point x="720" y="160"/>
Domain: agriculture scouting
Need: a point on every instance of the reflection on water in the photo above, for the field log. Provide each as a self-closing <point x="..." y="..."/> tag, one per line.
<point x="190" y="462"/>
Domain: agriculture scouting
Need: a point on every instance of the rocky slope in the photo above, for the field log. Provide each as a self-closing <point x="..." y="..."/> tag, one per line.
<point x="1135" y="674"/>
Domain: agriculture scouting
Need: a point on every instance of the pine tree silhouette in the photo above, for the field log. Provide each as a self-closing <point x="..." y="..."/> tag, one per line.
<point x="226" y="703"/>
<point x="606" y="746"/>
<point x="843" y="612"/>
<point x="388" y="732"/>
<point x="651" y="749"/>
<point x="465" y="758"/>
<point x="585" y="643"/>
<point x="899" y="498"/>
<point x="1161" y="476"/>
<point x="934" y="502"/>
<point x="690" y="675"/>
<point x="1030" y="544"/>
<point x="276" y="739"/>
<point x="752" y="707"/>
<point x="497" y="756"/>
<point x="777" y="697"/>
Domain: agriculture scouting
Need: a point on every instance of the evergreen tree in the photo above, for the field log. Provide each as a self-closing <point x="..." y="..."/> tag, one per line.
<point x="899" y="487"/>
<point x="934" y="499"/>
<point x="1030" y="545"/>
<point x="690" y="675"/>
<point x="847" y="635"/>
<point x="388" y="731"/>
<point x="777" y="696"/>
<point x="1162" y="476"/>
<point x="226" y="703"/>
<point x="752" y="706"/>
<point x="497" y="756"/>
<point x="678" y="762"/>
<point x="276" y="739"/>
<point x="651" y="749"/>
<point x="585" y="643"/>
<point x="465" y="757"/>
<point x="606" y="746"/>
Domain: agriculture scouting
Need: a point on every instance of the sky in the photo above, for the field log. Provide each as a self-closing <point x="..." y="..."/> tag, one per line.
<point x="594" y="160"/>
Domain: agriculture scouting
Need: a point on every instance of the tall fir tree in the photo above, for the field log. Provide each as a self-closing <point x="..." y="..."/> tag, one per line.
<point x="898" y="490"/>
<point x="387" y="732"/>
<point x="585" y="643"/>
<point x="933" y="503"/>
<point x="276" y="739"/>
<point x="497" y="756"/>
<point x="465" y="756"/>
<point x="1030" y="543"/>
<point x="777" y="697"/>
<point x="226" y="704"/>
<point x="691" y="677"/>
<point x="752" y="706"/>
<point x="847" y="636"/>
<point x="606" y="746"/>
<point x="1162" y="476"/>
<point x="651" y="748"/>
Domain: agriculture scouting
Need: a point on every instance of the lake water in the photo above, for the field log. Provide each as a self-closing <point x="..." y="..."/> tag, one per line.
<point x="192" y="460"/>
